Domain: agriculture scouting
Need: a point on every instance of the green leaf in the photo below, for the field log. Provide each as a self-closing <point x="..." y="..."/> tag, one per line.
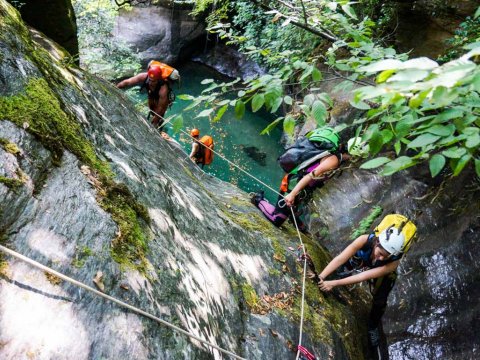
<point x="206" y="81"/>
<point x="436" y="164"/>
<point x="386" y="135"/>
<point x="477" y="14"/>
<point x="349" y="11"/>
<point x="220" y="113"/>
<point x="398" y="164"/>
<point x="473" y="141"/>
<point x="464" y="160"/>
<point x="289" y="125"/>
<point x="276" y="104"/>
<point x="319" y="112"/>
<point x="449" y="115"/>
<point x="239" y="109"/>
<point x="397" y="147"/>
<point x="376" y="142"/>
<point x="308" y="100"/>
<point x="271" y="126"/>
<point x="241" y="93"/>
<point x="454" y="152"/>
<point x="412" y="75"/>
<point x="177" y="123"/>
<point x="288" y="100"/>
<point x="316" y="75"/>
<point x="360" y="105"/>
<point x="441" y="130"/>
<point x="375" y="163"/>
<point x="422" y="140"/>
<point x="388" y="64"/>
<point x="257" y="102"/>
<point x="384" y="75"/>
<point x="205" y="113"/>
<point x="477" y="167"/>
<point x="185" y="97"/>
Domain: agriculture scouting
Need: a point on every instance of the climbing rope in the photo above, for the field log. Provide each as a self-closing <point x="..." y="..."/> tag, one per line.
<point x="111" y="298"/>
<point x="294" y="221"/>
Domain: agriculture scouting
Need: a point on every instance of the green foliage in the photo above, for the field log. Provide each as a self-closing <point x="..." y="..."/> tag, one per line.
<point x="424" y="111"/>
<point x="366" y="223"/>
<point x="468" y="32"/>
<point x="100" y="52"/>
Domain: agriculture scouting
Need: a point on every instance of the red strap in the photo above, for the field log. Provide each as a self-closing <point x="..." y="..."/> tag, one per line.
<point x="305" y="353"/>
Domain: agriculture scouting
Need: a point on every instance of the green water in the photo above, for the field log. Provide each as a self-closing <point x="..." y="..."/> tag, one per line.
<point x="238" y="140"/>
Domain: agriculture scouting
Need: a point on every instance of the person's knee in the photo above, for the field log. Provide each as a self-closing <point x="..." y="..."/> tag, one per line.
<point x="279" y="220"/>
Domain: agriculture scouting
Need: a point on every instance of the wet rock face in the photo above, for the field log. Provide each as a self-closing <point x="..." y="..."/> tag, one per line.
<point x="55" y="18"/>
<point x="433" y="310"/>
<point x="86" y="185"/>
<point x="155" y="32"/>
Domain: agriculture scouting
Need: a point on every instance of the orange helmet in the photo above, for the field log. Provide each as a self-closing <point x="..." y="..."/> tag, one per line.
<point x="155" y="73"/>
<point x="195" y="132"/>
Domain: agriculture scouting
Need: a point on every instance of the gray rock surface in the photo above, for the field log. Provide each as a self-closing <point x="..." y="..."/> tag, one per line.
<point x="161" y="33"/>
<point x="209" y="257"/>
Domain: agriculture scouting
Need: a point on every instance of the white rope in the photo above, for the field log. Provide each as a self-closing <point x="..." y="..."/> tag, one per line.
<point x="119" y="302"/>
<point x="303" y="282"/>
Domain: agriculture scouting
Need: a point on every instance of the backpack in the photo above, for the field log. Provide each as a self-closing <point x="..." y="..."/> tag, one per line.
<point x="319" y="141"/>
<point x="206" y="153"/>
<point x="168" y="72"/>
<point x="402" y="223"/>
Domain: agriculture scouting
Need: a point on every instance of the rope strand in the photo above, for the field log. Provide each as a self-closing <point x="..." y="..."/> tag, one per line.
<point x="111" y="298"/>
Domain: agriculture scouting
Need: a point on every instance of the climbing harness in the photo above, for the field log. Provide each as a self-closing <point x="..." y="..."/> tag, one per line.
<point x="111" y="298"/>
<point x="305" y="354"/>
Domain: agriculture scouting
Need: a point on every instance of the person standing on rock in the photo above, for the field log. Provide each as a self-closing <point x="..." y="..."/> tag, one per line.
<point x="372" y="258"/>
<point x="157" y="80"/>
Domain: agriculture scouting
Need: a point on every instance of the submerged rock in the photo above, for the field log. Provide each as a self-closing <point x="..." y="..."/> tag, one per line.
<point x="253" y="152"/>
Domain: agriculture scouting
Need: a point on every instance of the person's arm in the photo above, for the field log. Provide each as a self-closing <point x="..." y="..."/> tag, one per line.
<point x="365" y="275"/>
<point x="194" y="150"/>
<point x="343" y="257"/>
<point x="135" y="80"/>
<point x="327" y="164"/>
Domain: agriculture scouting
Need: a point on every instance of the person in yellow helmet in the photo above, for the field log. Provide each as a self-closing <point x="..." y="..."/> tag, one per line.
<point x="157" y="81"/>
<point x="375" y="258"/>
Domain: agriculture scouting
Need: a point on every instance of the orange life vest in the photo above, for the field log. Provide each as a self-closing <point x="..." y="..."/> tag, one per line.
<point x="205" y="153"/>
<point x="166" y="69"/>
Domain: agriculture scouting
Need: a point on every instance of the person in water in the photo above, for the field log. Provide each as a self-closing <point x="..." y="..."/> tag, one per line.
<point x="374" y="258"/>
<point x="157" y="80"/>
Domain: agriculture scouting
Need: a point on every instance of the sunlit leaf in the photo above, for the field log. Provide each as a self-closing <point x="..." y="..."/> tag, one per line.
<point x="289" y="125"/>
<point x="422" y="140"/>
<point x="288" y="100"/>
<point x="349" y="11"/>
<point x="360" y="105"/>
<point x="319" y="112"/>
<point x="384" y="75"/>
<point x="454" y="152"/>
<point x="316" y="75"/>
<point x="220" y="113"/>
<point x="239" y="109"/>
<point x="271" y="126"/>
<point x="177" y="123"/>
<point x="436" y="164"/>
<point x="461" y="163"/>
<point x="421" y="63"/>
<point x="185" y="97"/>
<point x="375" y="163"/>
<point x="276" y="104"/>
<point x="205" y="113"/>
<point x="309" y="99"/>
<point x="257" y="102"/>
<point x="381" y="65"/>
<point x="398" y="164"/>
<point x="206" y="81"/>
